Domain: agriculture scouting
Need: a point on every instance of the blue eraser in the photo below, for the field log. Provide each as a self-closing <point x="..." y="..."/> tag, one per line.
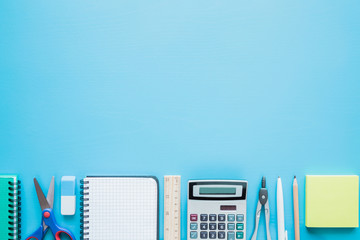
<point x="68" y="186"/>
<point x="68" y="198"/>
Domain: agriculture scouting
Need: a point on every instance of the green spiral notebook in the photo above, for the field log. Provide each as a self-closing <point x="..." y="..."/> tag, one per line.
<point x="9" y="207"/>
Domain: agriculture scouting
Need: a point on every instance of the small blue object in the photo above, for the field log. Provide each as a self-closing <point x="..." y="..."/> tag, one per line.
<point x="68" y="186"/>
<point x="68" y="197"/>
<point x="231" y="226"/>
<point x="193" y="235"/>
<point x="240" y="217"/>
<point x="231" y="217"/>
<point x="193" y="226"/>
<point x="231" y="236"/>
<point x="49" y="219"/>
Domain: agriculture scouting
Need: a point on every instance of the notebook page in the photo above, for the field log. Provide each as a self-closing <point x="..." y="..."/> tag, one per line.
<point x="122" y="208"/>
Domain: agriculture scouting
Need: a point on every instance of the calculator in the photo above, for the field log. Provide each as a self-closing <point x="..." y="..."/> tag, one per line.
<point x="216" y="209"/>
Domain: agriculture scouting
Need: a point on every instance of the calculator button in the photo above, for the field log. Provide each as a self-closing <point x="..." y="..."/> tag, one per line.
<point x="221" y="226"/>
<point x="193" y="217"/>
<point x="231" y="236"/>
<point x="239" y="235"/>
<point x="240" y="217"/>
<point x="212" y="235"/>
<point x="203" y="226"/>
<point x="231" y="226"/>
<point x="221" y="217"/>
<point x="203" y="217"/>
<point x="239" y="226"/>
<point x="212" y="217"/>
<point x="212" y="226"/>
<point x="221" y="235"/>
<point x="193" y="226"/>
<point x="203" y="235"/>
<point x="231" y="217"/>
<point x="193" y="235"/>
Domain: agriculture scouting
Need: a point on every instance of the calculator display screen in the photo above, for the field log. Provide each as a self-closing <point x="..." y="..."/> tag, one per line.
<point x="217" y="191"/>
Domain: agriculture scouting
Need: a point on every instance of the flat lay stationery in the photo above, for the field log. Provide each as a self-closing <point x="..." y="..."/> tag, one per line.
<point x="332" y="201"/>
<point x="48" y="220"/>
<point x="114" y="208"/>
<point x="179" y="120"/>
<point x="263" y="202"/>
<point x="172" y="204"/>
<point x="9" y="207"/>
<point x="217" y="209"/>
<point x="282" y="234"/>
<point x="296" y="209"/>
<point x="68" y="197"/>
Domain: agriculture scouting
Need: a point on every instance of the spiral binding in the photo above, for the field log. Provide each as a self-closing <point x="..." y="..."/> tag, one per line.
<point x="14" y="210"/>
<point x="84" y="210"/>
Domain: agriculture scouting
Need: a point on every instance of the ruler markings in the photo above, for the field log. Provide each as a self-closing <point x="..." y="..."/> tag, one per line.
<point x="172" y="207"/>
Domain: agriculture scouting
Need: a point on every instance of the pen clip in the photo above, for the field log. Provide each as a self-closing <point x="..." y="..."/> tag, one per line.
<point x="286" y="235"/>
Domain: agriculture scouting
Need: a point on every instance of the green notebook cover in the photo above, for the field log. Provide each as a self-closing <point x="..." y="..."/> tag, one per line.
<point x="9" y="207"/>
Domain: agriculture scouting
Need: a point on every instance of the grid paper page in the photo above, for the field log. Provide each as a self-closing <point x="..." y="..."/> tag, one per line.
<point x="122" y="208"/>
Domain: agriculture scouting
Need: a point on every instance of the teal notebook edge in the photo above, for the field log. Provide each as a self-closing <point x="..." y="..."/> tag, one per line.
<point x="10" y="207"/>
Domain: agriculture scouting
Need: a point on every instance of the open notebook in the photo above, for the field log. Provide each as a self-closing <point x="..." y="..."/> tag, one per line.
<point x="120" y="208"/>
<point x="9" y="207"/>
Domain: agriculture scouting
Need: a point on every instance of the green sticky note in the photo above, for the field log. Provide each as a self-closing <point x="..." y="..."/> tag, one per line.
<point x="332" y="201"/>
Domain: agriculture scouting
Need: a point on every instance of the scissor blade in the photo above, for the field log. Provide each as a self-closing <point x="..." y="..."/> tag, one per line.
<point x="50" y="193"/>
<point x="41" y="197"/>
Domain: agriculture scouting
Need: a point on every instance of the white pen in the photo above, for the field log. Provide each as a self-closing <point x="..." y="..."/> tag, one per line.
<point x="282" y="234"/>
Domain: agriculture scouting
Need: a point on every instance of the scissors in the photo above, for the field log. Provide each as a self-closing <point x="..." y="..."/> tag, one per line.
<point x="263" y="201"/>
<point x="47" y="215"/>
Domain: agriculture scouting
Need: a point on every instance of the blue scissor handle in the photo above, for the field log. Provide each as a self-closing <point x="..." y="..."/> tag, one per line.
<point x="38" y="234"/>
<point x="49" y="219"/>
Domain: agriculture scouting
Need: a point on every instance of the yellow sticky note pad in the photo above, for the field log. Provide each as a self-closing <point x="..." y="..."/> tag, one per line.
<point x="332" y="201"/>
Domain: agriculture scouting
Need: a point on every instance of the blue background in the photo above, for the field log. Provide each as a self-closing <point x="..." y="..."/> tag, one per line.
<point x="204" y="89"/>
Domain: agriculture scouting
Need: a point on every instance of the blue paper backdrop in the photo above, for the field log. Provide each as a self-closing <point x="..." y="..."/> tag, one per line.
<point x="204" y="89"/>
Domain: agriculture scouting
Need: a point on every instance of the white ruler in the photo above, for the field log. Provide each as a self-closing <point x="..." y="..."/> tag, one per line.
<point x="172" y="207"/>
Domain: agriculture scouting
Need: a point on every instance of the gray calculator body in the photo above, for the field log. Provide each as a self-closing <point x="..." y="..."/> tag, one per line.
<point x="216" y="209"/>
